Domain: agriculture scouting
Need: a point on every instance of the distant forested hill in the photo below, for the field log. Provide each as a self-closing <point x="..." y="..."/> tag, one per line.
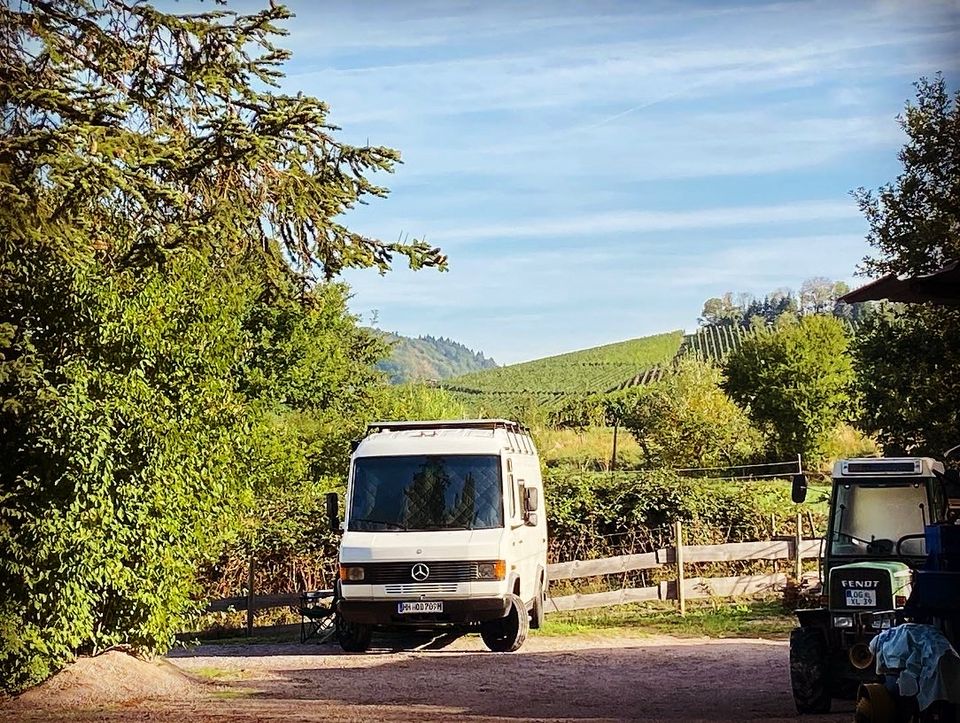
<point x="428" y="357"/>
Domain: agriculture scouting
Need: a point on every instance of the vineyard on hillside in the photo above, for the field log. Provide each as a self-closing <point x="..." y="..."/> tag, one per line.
<point x="714" y="343"/>
<point x="549" y="380"/>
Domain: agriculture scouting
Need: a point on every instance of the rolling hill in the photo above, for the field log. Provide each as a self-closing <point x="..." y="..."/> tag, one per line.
<point x="429" y="358"/>
<point x="598" y="369"/>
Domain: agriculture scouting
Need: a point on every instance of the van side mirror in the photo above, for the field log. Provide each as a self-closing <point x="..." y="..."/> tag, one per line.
<point x="333" y="511"/>
<point x="531" y="499"/>
<point x="799" y="491"/>
<point x="531" y="519"/>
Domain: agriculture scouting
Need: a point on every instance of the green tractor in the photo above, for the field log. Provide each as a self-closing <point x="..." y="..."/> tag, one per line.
<point x="879" y="509"/>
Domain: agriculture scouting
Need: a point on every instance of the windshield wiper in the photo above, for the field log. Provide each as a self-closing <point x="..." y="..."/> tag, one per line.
<point x="387" y="523"/>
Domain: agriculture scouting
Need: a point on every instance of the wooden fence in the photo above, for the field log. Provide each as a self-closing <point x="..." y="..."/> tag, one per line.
<point x="680" y="588"/>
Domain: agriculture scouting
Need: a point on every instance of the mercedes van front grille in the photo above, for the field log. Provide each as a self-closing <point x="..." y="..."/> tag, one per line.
<point x="400" y="573"/>
<point x="422" y="588"/>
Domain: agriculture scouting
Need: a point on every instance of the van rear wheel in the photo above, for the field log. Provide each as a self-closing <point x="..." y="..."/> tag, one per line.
<point x="537" y="613"/>
<point x="507" y="634"/>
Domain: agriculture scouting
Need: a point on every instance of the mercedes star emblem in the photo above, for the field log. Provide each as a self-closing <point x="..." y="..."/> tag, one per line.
<point x="420" y="572"/>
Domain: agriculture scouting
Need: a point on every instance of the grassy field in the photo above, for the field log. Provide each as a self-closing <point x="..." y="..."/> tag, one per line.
<point x="742" y="619"/>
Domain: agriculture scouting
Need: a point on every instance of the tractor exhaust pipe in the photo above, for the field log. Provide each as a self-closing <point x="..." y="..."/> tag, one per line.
<point x="860" y="656"/>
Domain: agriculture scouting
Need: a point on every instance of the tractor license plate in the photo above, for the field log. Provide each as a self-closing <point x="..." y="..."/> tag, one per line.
<point x="419" y="607"/>
<point x="861" y="598"/>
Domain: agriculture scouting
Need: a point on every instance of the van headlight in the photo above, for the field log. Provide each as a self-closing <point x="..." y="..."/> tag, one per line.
<point x="495" y="570"/>
<point x="843" y="621"/>
<point x="351" y="573"/>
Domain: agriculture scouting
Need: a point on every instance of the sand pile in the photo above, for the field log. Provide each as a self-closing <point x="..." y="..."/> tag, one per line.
<point x="111" y="678"/>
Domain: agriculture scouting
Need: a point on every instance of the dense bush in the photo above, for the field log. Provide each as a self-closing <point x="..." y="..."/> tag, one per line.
<point x="589" y="513"/>
<point x="167" y="350"/>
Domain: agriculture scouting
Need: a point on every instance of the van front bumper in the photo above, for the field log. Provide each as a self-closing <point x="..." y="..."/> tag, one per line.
<point x="455" y="612"/>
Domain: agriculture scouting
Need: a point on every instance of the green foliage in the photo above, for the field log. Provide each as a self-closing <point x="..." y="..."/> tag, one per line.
<point x="686" y="420"/>
<point x="796" y="382"/>
<point x="584" y="509"/>
<point x="122" y="464"/>
<point x="914" y="221"/>
<point x="166" y="355"/>
<point x="417" y="401"/>
<point x="908" y="366"/>
<point x="428" y="358"/>
<point x="907" y="357"/>
<point x="287" y="534"/>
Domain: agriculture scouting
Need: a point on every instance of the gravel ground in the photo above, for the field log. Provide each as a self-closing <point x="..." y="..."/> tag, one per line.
<point x="578" y="678"/>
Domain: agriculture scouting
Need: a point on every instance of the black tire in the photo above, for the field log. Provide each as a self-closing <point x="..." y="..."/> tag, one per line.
<point x="354" y="637"/>
<point x="537" y="611"/>
<point x="809" y="670"/>
<point x="507" y="634"/>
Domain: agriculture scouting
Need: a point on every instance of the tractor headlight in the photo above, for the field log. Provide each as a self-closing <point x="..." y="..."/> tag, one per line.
<point x="843" y="621"/>
<point x="495" y="570"/>
<point x="881" y="621"/>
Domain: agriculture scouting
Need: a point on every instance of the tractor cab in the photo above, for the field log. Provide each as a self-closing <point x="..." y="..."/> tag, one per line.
<point x="879" y="512"/>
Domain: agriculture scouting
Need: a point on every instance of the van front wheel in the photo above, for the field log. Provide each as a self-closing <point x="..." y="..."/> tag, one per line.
<point x="354" y="637"/>
<point x="507" y="634"/>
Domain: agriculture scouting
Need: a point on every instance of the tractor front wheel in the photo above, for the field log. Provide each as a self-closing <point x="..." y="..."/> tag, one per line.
<point x="809" y="672"/>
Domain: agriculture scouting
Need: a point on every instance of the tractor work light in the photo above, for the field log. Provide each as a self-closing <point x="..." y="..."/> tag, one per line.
<point x="351" y="573"/>
<point x="495" y="570"/>
<point x="843" y="621"/>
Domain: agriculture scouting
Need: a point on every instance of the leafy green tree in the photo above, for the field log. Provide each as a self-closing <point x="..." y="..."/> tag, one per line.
<point x="720" y="311"/>
<point x="686" y="420"/>
<point x="908" y="370"/>
<point x="796" y="382"/>
<point x="168" y="342"/>
<point x="907" y="356"/>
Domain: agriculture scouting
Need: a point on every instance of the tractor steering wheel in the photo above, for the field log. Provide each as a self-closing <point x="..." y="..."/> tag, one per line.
<point x="905" y="538"/>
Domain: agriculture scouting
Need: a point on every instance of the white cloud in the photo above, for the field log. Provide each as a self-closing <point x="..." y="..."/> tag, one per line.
<point x="650" y="221"/>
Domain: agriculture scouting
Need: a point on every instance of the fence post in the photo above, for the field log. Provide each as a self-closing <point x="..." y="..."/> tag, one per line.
<point x="681" y="598"/>
<point x="797" y="540"/>
<point x="250" y="610"/>
<point x="613" y="456"/>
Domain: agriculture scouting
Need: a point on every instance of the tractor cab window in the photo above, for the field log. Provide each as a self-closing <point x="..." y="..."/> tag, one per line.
<point x="871" y="516"/>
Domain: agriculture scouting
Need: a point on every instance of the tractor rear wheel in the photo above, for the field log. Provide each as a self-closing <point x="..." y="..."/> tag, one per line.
<point x="809" y="672"/>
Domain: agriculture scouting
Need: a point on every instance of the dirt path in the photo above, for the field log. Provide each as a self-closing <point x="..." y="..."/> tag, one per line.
<point x="576" y="678"/>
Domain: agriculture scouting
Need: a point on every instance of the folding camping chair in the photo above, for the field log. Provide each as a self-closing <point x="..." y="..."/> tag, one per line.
<point x="318" y="616"/>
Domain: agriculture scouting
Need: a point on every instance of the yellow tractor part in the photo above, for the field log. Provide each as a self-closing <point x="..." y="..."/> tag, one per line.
<point x="874" y="705"/>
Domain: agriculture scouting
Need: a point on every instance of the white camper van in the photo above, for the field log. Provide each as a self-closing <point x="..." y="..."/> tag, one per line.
<point x="444" y="527"/>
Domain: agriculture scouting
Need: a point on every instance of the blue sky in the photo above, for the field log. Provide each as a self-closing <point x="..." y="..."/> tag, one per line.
<point x="596" y="170"/>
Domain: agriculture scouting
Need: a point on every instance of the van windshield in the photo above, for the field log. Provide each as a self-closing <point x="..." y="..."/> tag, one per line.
<point x="419" y="492"/>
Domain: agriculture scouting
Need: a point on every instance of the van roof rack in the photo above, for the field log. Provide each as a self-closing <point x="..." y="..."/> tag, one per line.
<point x="506" y="424"/>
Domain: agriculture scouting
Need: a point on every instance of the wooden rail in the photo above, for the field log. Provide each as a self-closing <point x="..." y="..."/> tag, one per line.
<point x="681" y="588"/>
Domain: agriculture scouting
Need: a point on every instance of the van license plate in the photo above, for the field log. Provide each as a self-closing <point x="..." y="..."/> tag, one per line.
<point x="419" y="607"/>
<point x="862" y="598"/>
